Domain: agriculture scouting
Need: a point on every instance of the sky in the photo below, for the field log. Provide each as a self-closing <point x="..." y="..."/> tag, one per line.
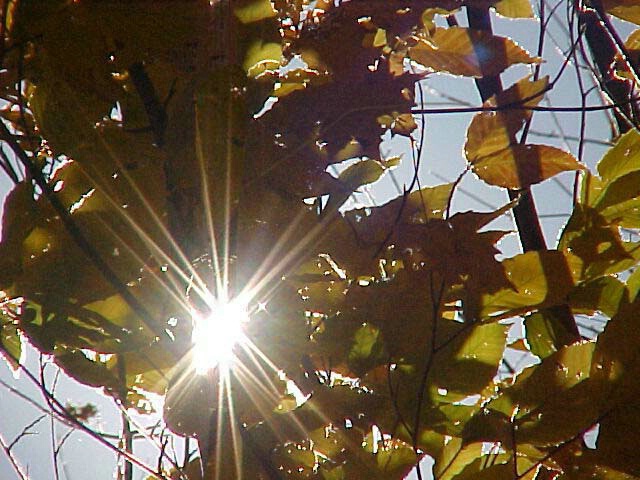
<point x="442" y="162"/>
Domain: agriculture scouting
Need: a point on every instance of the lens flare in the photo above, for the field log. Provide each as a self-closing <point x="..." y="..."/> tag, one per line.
<point x="216" y="334"/>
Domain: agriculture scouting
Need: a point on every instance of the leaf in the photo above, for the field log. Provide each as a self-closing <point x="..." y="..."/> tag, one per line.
<point x="622" y="158"/>
<point x="538" y="279"/>
<point x="604" y="294"/>
<point x="520" y="166"/>
<point x="262" y="57"/>
<point x="490" y="132"/>
<point x="86" y="371"/>
<point x="19" y="218"/>
<point x="249" y="11"/>
<point x="597" y="243"/>
<point x="10" y="337"/>
<point x="633" y="284"/>
<point x="544" y="332"/>
<point x="555" y="400"/>
<point x="611" y="451"/>
<point x="514" y="8"/>
<point x="404" y="124"/>
<point x="454" y="50"/>
<point x="374" y="224"/>
<point x="361" y="173"/>
<point x="367" y="349"/>
<point x="617" y="201"/>
<point x="616" y="364"/>
<point x="628" y="10"/>
<point x="470" y="362"/>
<point x="454" y="458"/>
<point x="395" y="459"/>
<point x="493" y="131"/>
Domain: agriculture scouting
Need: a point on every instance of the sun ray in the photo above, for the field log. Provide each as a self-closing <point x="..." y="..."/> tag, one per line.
<point x="142" y="234"/>
<point x="218" y="277"/>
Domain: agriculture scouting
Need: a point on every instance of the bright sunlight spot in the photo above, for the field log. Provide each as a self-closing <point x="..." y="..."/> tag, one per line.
<point x="216" y="335"/>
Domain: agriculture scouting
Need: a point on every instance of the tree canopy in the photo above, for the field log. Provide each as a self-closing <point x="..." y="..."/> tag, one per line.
<point x="172" y="158"/>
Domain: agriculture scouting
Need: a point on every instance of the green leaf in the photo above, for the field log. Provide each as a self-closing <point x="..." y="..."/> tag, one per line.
<point x="262" y="57"/>
<point x="633" y="284"/>
<point x="454" y="458"/>
<point x="249" y="11"/>
<point x="544" y="332"/>
<point x="604" y="294"/>
<point x="367" y="349"/>
<point x="622" y="158"/>
<point x="470" y="362"/>
<point x="10" y="339"/>
<point x="597" y="243"/>
<point x="618" y="201"/>
<point x="19" y="218"/>
<point x="555" y="400"/>
<point x="361" y="173"/>
<point x="539" y="279"/>
<point x="616" y="363"/>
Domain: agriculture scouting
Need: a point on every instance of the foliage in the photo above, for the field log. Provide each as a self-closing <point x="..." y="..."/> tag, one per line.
<point x="145" y="135"/>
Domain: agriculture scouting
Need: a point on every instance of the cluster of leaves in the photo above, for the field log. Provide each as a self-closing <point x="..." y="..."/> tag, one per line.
<point x="142" y="132"/>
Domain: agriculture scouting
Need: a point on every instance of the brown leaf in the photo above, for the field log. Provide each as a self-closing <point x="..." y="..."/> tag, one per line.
<point x="520" y="166"/>
<point x="493" y="131"/>
<point x="455" y="50"/>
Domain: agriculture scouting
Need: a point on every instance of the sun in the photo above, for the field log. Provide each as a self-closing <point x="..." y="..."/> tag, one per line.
<point x="216" y="334"/>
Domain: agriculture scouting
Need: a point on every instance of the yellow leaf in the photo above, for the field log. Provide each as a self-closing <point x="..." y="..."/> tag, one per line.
<point x="249" y="11"/>
<point x="628" y="10"/>
<point x="524" y="91"/>
<point x="261" y="57"/>
<point x="493" y="131"/>
<point x="538" y="278"/>
<point x="454" y="50"/>
<point x="489" y="133"/>
<point x="520" y="166"/>
<point x="514" y="8"/>
<point x="623" y="158"/>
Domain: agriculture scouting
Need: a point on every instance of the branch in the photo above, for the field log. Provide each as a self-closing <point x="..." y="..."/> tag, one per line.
<point x="526" y="216"/>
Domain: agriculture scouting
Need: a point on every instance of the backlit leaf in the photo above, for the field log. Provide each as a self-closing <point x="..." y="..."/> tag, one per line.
<point x="543" y="332"/>
<point x="628" y="10"/>
<point x="520" y="166"/>
<point x="471" y="361"/>
<point x="454" y="50"/>
<point x="361" y="173"/>
<point x="492" y="131"/>
<point x="597" y="243"/>
<point x="249" y="11"/>
<point x="623" y="158"/>
<point x="368" y="348"/>
<point x="604" y="294"/>
<point x="538" y="279"/>
<point x="10" y="338"/>
<point x="454" y="458"/>
<point x="514" y="8"/>
<point x="541" y="395"/>
<point x="620" y="455"/>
